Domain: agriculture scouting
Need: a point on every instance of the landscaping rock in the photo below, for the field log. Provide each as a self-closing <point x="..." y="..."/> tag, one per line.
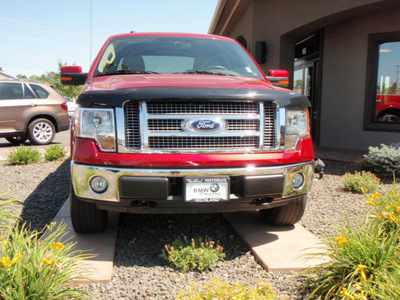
<point x="140" y="271"/>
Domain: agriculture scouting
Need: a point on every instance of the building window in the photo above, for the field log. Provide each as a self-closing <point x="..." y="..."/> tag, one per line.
<point x="382" y="110"/>
<point x="242" y="40"/>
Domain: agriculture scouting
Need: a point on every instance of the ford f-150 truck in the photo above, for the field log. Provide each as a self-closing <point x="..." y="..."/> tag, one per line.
<point x="185" y="123"/>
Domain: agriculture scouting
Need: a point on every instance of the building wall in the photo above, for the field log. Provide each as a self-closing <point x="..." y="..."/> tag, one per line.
<point x="244" y="27"/>
<point x="346" y="25"/>
<point x="271" y="20"/>
<point x="344" y="81"/>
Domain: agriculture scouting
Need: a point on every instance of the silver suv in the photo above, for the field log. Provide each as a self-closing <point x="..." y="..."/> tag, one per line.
<point x="31" y="110"/>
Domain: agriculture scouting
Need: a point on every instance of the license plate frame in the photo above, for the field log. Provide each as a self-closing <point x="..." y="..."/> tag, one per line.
<point x="206" y="189"/>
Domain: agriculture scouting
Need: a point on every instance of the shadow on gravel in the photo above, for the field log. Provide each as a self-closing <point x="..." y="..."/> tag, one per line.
<point x="42" y="205"/>
<point x="141" y="238"/>
<point x="339" y="168"/>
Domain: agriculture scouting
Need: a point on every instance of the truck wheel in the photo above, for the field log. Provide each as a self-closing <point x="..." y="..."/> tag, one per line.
<point x="16" y="140"/>
<point x="285" y="215"/>
<point x="41" y="132"/>
<point x="86" y="217"/>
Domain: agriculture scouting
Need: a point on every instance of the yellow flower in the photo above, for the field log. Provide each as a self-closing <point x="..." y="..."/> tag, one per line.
<point x="15" y="259"/>
<point x="57" y="246"/>
<point x="376" y="195"/>
<point x="363" y="190"/>
<point x="5" y="262"/>
<point x="361" y="268"/>
<point x="391" y="217"/>
<point x="394" y="193"/>
<point x="341" y="240"/>
<point x="346" y="294"/>
<point x="370" y="202"/>
<point x="47" y="261"/>
<point x="358" y="287"/>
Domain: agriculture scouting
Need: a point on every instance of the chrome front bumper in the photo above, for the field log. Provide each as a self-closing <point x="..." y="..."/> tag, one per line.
<point x="82" y="174"/>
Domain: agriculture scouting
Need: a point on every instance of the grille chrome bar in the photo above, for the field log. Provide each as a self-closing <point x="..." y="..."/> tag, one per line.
<point x="248" y="126"/>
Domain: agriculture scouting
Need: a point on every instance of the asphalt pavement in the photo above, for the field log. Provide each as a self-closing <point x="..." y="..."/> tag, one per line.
<point x="61" y="138"/>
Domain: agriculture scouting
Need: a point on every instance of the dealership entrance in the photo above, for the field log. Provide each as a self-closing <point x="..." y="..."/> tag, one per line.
<point x="307" y="77"/>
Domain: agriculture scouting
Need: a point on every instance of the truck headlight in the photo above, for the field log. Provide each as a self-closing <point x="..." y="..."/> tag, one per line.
<point x="97" y="124"/>
<point x="297" y="127"/>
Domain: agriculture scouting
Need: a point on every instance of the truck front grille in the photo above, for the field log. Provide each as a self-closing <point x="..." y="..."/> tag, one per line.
<point x="166" y="126"/>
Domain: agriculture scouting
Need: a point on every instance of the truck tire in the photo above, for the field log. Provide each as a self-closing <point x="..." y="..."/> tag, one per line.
<point x="285" y="215"/>
<point x="86" y="217"/>
<point x="41" y="132"/>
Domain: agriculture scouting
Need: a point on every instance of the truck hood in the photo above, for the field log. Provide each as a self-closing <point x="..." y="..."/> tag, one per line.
<point x="116" y="89"/>
<point x="117" y="82"/>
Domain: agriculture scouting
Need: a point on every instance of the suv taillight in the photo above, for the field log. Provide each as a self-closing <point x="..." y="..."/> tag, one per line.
<point x="64" y="106"/>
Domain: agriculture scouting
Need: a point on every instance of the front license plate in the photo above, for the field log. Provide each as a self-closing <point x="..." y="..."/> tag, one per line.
<point x="211" y="189"/>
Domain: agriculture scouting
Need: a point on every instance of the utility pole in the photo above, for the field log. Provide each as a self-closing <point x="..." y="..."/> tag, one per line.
<point x="397" y="76"/>
<point x="91" y="21"/>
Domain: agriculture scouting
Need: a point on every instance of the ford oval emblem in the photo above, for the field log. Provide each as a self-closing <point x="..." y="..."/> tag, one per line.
<point x="205" y="125"/>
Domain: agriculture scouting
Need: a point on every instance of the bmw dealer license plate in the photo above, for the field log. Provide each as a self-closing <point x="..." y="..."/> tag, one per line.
<point x="211" y="189"/>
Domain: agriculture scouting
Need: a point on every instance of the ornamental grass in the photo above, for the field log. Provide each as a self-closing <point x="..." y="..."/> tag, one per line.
<point x="35" y="267"/>
<point x="364" y="261"/>
<point x="193" y="254"/>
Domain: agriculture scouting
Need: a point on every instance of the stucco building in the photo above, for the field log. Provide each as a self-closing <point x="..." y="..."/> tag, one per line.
<point x="343" y="54"/>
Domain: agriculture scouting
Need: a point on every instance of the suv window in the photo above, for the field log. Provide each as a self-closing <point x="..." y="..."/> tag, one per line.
<point x="40" y="92"/>
<point x="28" y="92"/>
<point x="11" y="90"/>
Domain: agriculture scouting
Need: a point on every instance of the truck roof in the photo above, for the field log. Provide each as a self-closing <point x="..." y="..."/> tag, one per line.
<point x="198" y="35"/>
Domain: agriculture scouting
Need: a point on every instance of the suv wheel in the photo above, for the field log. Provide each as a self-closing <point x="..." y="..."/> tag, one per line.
<point x="285" y="215"/>
<point x="17" y="140"/>
<point x="86" y="217"/>
<point x="41" y="132"/>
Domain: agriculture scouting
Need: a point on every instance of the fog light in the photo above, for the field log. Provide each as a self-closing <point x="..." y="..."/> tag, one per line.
<point x="98" y="184"/>
<point x="298" y="181"/>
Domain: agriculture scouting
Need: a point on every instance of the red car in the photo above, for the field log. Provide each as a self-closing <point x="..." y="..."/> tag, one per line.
<point x="388" y="108"/>
<point x="185" y="123"/>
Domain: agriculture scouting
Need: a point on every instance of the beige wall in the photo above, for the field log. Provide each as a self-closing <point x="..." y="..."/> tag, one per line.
<point x="346" y="25"/>
<point x="244" y="27"/>
<point x="344" y="80"/>
<point x="272" y="19"/>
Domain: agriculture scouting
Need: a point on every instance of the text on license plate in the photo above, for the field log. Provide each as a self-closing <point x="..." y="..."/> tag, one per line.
<point x="199" y="189"/>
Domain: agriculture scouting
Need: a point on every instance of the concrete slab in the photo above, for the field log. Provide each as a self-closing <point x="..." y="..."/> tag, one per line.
<point x="102" y="244"/>
<point x="276" y="248"/>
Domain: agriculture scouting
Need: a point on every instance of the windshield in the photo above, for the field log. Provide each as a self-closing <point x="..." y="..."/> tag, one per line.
<point x="175" y="55"/>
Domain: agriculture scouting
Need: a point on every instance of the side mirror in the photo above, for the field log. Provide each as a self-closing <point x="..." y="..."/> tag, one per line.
<point x="72" y="75"/>
<point x="279" y="78"/>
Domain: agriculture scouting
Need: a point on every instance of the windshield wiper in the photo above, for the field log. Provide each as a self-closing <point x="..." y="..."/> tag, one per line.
<point x="202" y="72"/>
<point x="125" y="72"/>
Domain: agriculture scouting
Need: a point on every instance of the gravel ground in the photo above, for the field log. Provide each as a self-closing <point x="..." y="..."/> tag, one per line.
<point x="139" y="271"/>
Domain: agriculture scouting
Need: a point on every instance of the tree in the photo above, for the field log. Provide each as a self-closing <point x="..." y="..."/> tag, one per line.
<point x="53" y="78"/>
<point x="66" y="90"/>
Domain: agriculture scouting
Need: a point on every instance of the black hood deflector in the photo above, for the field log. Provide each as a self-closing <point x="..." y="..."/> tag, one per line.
<point x="116" y="98"/>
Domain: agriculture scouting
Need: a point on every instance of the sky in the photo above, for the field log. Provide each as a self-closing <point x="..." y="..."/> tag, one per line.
<point x="35" y="35"/>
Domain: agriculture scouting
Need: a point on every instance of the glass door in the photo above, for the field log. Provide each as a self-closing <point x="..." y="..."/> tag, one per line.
<point x="306" y="82"/>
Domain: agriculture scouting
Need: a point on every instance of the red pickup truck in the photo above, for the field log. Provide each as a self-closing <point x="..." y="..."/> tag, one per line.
<point x="185" y="123"/>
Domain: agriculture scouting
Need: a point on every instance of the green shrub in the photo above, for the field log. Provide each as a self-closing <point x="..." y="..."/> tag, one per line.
<point x="383" y="159"/>
<point x="195" y="254"/>
<point x="217" y="289"/>
<point x="364" y="182"/>
<point x="23" y="155"/>
<point x="55" y="152"/>
<point x="363" y="262"/>
<point x="34" y="268"/>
